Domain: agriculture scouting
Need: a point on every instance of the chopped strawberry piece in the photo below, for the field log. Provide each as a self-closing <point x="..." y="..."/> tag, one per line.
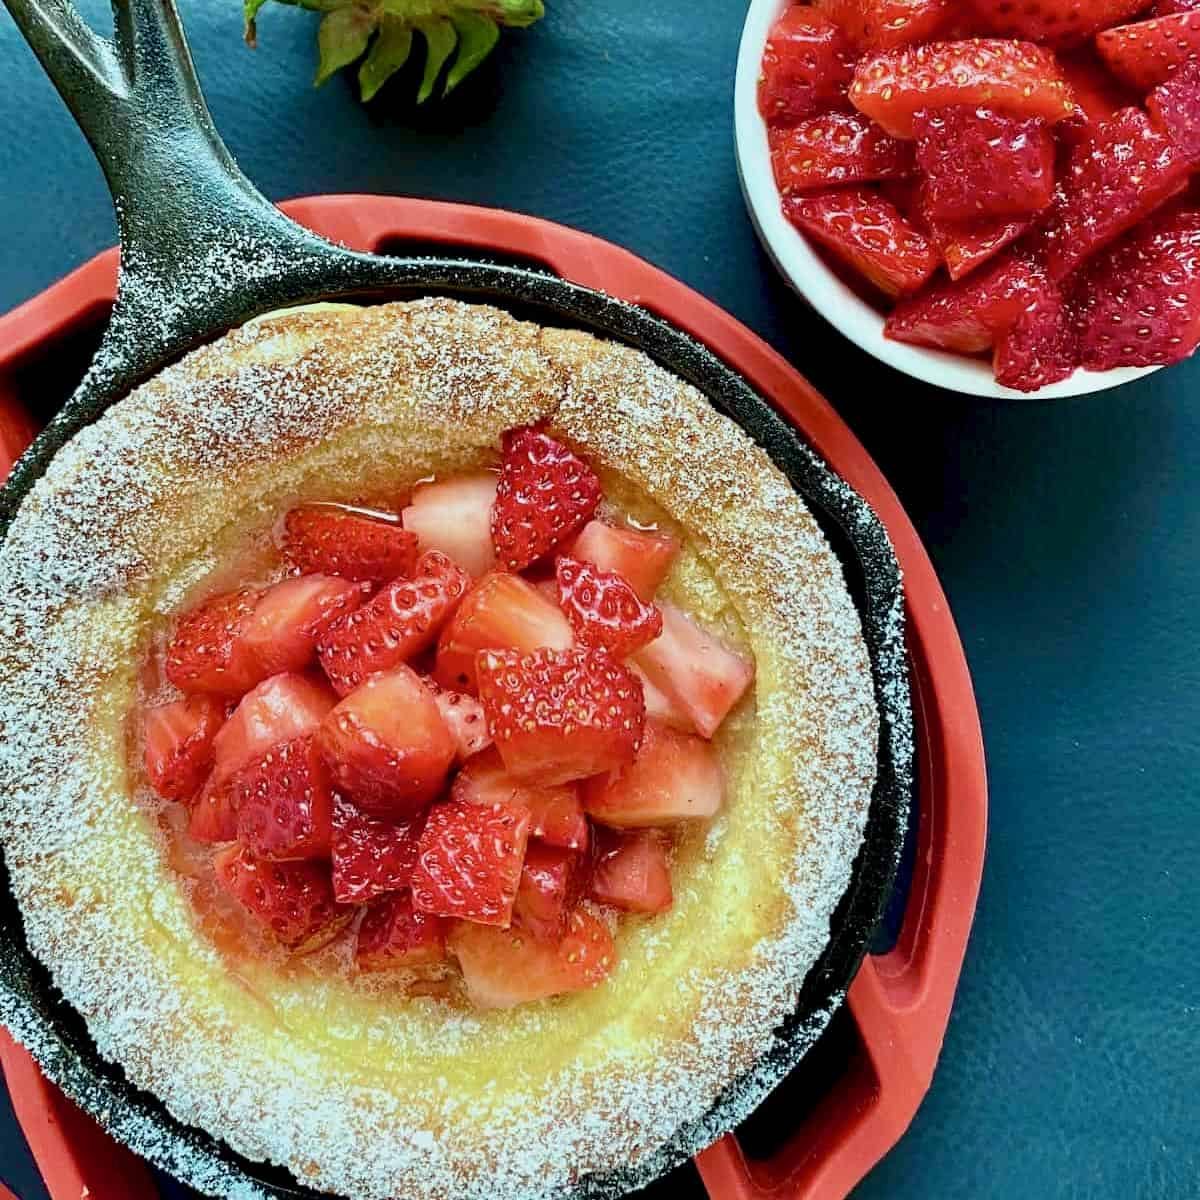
<point x="889" y="24"/>
<point x="208" y="652"/>
<point x="983" y="163"/>
<point x="551" y="883"/>
<point x="395" y="934"/>
<point x="1145" y="54"/>
<point x="867" y="231"/>
<point x="294" y="900"/>
<point x="469" y="861"/>
<point x="631" y="871"/>
<point x="464" y="718"/>
<point x="555" y="813"/>
<point x="603" y="608"/>
<point x="644" y="557"/>
<point x="558" y="715"/>
<point x="179" y="744"/>
<point x="370" y="856"/>
<point x="386" y="745"/>
<point x="660" y="707"/>
<point x="394" y="626"/>
<point x="1175" y="109"/>
<point x="355" y="543"/>
<point x="284" y="802"/>
<point x="700" y="675"/>
<point x="1018" y="78"/>
<point x="545" y="494"/>
<point x="505" y="967"/>
<point x="1139" y="302"/>
<point x="1040" y="348"/>
<point x="675" y="777"/>
<point x="454" y="516"/>
<point x="213" y="817"/>
<point x="1053" y="22"/>
<point x="501" y="612"/>
<point x="1098" y="93"/>
<point x="835" y="149"/>
<point x="806" y="67"/>
<point x="968" y="245"/>
<point x="290" y="618"/>
<point x="1112" y="183"/>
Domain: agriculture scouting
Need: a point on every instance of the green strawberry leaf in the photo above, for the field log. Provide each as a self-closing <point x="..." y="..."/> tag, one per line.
<point x="389" y="52"/>
<point x="343" y="36"/>
<point x="440" y="39"/>
<point x="477" y="38"/>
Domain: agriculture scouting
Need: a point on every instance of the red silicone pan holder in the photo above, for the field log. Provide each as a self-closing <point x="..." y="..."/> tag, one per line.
<point x="900" y="1001"/>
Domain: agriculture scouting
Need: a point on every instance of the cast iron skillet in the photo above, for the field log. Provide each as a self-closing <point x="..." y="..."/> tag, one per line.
<point x="202" y="251"/>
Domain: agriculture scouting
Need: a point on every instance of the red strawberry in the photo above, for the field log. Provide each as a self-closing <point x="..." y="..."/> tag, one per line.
<point x="806" y="67"/>
<point x="603" y="608"/>
<point x="551" y="882"/>
<point x="644" y="557"/>
<point x="1040" y="348"/>
<point x="284" y="802"/>
<point x="888" y="24"/>
<point x="179" y="744"/>
<point x="834" y="149"/>
<point x="1165" y="8"/>
<point x="982" y="163"/>
<point x="1112" y="183"/>
<point x="699" y="675"/>
<point x="1098" y="94"/>
<point x="290" y="618"/>
<point x="631" y="871"/>
<point x="558" y="715"/>
<point x="501" y="612"/>
<point x="213" y="817"/>
<point x="294" y="900"/>
<point x="1053" y="22"/>
<point x="370" y="856"/>
<point x="545" y="494"/>
<point x="968" y="245"/>
<point x="1018" y="78"/>
<point x="386" y="745"/>
<point x="208" y="652"/>
<point x="869" y="233"/>
<point x="1146" y="53"/>
<point x="503" y="967"/>
<point x="555" y="813"/>
<point x="394" y="626"/>
<point x="675" y="777"/>
<point x="1139" y="302"/>
<point x="356" y="543"/>
<point x="469" y="861"/>
<point x="395" y="934"/>
<point x="464" y="718"/>
<point x="1175" y="109"/>
<point x="454" y="516"/>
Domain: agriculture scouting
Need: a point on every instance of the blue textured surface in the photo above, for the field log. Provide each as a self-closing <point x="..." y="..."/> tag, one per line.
<point x="1066" y="535"/>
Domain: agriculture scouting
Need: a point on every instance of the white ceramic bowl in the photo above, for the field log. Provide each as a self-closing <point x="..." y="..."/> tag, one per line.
<point x="802" y="267"/>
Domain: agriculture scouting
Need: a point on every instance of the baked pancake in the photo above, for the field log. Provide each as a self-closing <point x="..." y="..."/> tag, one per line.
<point x="363" y="1084"/>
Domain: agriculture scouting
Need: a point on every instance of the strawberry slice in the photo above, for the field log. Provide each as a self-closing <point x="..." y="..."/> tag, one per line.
<point x="889" y="24"/>
<point x="208" y="652"/>
<point x="386" y="745"/>
<point x="1139" y="302"/>
<point x="545" y="494"/>
<point x="284" y="803"/>
<point x="394" y="626"/>
<point x="603" y="608"/>
<point x="290" y="618"/>
<point x="213" y="817"/>
<point x="469" y="861"/>
<point x="807" y="65"/>
<point x="699" y="675"/>
<point x="294" y="900"/>
<point x="1017" y="78"/>
<point x="395" y="934"/>
<point x="551" y="883"/>
<point x="555" y="813"/>
<point x="501" y="612"/>
<point x="1041" y="347"/>
<point x="631" y="871"/>
<point x="559" y="715"/>
<point x="505" y="967"/>
<point x="356" y="543"/>
<point x="1053" y="22"/>
<point x="454" y="516"/>
<point x="1145" y="54"/>
<point x="370" y="856"/>
<point x="835" y="149"/>
<point x="644" y="557"/>
<point x="179" y="744"/>
<point x="965" y="246"/>
<point x="464" y="718"/>
<point x="867" y="231"/>
<point x="675" y="777"/>
<point x="1175" y="109"/>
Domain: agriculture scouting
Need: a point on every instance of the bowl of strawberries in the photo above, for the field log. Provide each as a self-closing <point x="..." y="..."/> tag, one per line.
<point x="995" y="198"/>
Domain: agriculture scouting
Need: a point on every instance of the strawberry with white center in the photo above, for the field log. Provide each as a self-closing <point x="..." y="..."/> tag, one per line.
<point x="503" y="967"/>
<point x="545" y="494"/>
<point x="179" y="744"/>
<point x="292" y="616"/>
<point x="556" y="715"/>
<point x="285" y="804"/>
<point x="464" y="718"/>
<point x="208" y="652"/>
<point x="603" y="608"/>
<point x="469" y="861"/>
<point x="631" y="871"/>
<point x="551" y="882"/>
<point x="394" y="626"/>
<point x="371" y="856"/>
<point x="643" y="557"/>
<point x="386" y="745"/>
<point x="395" y="934"/>
<point x="455" y="516"/>
<point x="356" y="543"/>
